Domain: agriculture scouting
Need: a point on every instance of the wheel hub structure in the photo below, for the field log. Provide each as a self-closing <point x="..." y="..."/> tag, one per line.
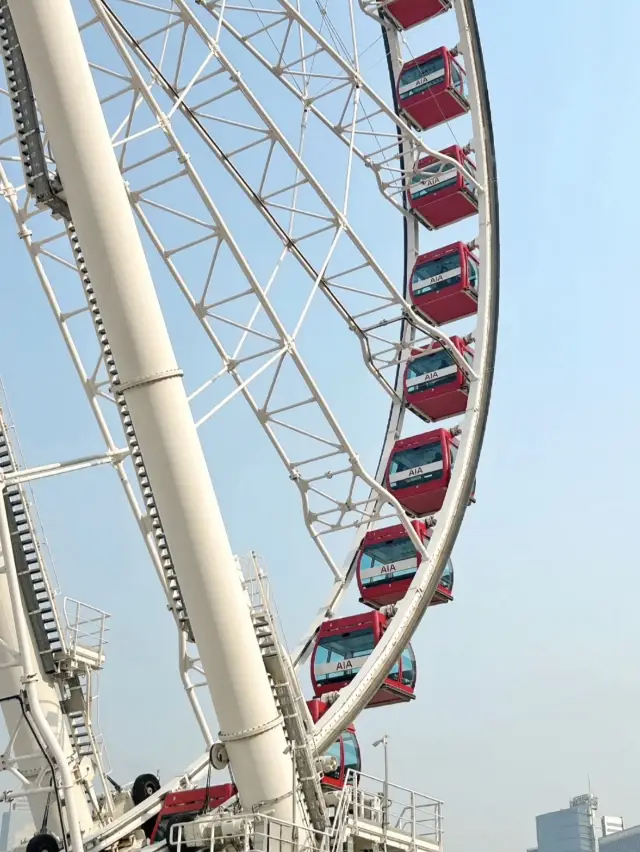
<point x="285" y="205"/>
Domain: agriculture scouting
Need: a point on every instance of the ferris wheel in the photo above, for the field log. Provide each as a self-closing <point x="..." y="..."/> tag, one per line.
<point x="278" y="167"/>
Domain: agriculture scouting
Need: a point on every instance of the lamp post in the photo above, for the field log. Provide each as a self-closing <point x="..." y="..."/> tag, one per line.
<point x="384" y="742"/>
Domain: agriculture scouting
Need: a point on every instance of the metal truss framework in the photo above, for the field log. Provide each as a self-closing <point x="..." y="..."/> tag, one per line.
<point x="53" y="719"/>
<point x="81" y="653"/>
<point x="184" y="87"/>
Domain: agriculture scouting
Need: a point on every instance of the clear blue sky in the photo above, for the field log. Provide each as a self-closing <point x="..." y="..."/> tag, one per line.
<point x="528" y="682"/>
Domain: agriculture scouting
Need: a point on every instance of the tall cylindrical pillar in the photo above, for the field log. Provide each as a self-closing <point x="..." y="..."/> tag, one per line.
<point x="156" y="397"/>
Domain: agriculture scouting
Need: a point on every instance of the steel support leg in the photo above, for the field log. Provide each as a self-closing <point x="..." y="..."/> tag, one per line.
<point x="156" y="397"/>
<point x="77" y="812"/>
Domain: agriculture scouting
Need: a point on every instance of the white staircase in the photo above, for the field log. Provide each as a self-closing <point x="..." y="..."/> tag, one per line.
<point x="286" y="690"/>
<point x="71" y="645"/>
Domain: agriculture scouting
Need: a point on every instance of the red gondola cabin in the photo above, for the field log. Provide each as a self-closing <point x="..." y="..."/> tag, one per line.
<point x="345" y="749"/>
<point x="444" y="283"/>
<point x="387" y="563"/>
<point x="432" y="89"/>
<point x="342" y="648"/>
<point x="434" y="386"/>
<point x="419" y="470"/>
<point x="409" y="13"/>
<point x="439" y="194"/>
<point x="185" y="806"/>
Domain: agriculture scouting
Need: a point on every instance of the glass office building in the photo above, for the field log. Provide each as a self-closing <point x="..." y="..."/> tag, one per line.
<point x="569" y="830"/>
<point x="627" y="840"/>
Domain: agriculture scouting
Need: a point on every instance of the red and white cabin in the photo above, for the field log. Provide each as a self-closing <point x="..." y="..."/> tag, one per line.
<point x="346" y="749"/>
<point x="439" y="194"/>
<point x="419" y="470"/>
<point x="343" y="646"/>
<point x="434" y="385"/>
<point x="387" y="564"/>
<point x="184" y="806"/>
<point x="444" y="283"/>
<point x="408" y="13"/>
<point x="432" y="89"/>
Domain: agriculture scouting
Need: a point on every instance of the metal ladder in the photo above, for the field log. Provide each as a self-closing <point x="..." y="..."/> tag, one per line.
<point x="35" y="585"/>
<point x="178" y="604"/>
<point x="77" y="705"/>
<point x="34" y="162"/>
<point x="287" y="693"/>
<point x="62" y="657"/>
<point x="79" y="727"/>
<point x="48" y="192"/>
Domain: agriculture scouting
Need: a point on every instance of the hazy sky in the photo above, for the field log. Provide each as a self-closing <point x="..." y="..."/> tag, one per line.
<point x="527" y="683"/>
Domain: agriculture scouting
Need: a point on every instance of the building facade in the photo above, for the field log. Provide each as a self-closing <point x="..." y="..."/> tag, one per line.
<point x="570" y="829"/>
<point x="627" y="840"/>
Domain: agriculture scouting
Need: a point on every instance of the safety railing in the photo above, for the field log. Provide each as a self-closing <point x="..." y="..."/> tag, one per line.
<point x="86" y="632"/>
<point x="394" y="809"/>
<point x="255" y="580"/>
<point x="246" y="833"/>
<point x="286" y="687"/>
<point x="386" y="814"/>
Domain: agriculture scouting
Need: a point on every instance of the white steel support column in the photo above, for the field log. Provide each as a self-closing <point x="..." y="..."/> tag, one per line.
<point x="155" y="394"/>
<point x="24" y="743"/>
<point x="44" y="706"/>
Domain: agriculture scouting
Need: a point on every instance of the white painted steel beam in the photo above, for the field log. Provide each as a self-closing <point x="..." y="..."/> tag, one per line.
<point x="44" y="707"/>
<point x="155" y="394"/>
<point x="413" y="606"/>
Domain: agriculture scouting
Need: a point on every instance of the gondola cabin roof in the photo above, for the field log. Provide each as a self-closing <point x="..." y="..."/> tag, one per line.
<point x="409" y="13"/>
<point x="185" y="805"/>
